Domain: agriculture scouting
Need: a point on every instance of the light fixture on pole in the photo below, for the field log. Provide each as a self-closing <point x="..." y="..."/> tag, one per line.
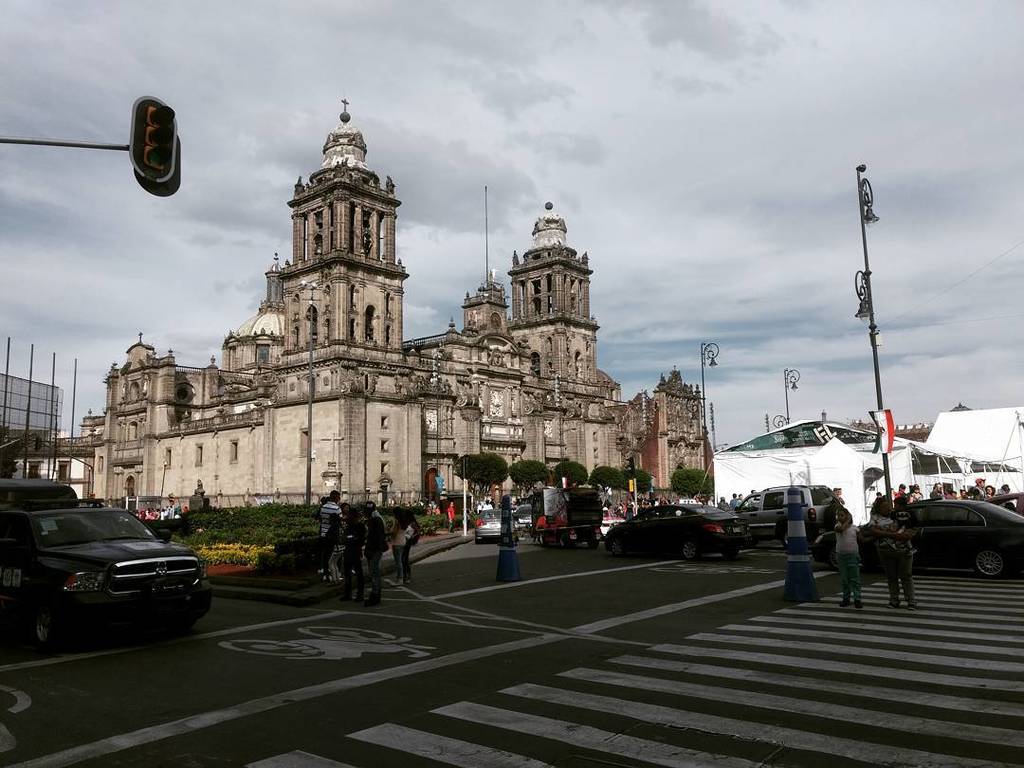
<point x="779" y="421"/>
<point x="862" y="284"/>
<point x="708" y="355"/>
<point x="790" y="377"/>
<point x="435" y="384"/>
<point x="311" y="313"/>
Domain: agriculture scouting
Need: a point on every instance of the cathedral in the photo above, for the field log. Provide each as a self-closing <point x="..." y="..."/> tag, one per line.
<point x="388" y="416"/>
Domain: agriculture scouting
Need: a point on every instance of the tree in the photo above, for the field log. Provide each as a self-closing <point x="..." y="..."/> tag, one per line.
<point x="482" y="470"/>
<point x="643" y="479"/>
<point x="12" y="448"/>
<point x="527" y="473"/>
<point x="575" y="472"/>
<point x="692" y="482"/>
<point x="607" y="477"/>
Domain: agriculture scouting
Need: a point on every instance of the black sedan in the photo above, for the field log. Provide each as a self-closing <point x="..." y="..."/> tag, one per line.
<point x="684" y="530"/>
<point x="952" y="534"/>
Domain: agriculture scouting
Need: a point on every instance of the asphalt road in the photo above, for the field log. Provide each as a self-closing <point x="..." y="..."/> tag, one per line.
<point x="590" y="661"/>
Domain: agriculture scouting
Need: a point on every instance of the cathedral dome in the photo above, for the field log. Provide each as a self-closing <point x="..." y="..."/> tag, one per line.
<point x="345" y="145"/>
<point x="267" y="321"/>
<point x="549" y="229"/>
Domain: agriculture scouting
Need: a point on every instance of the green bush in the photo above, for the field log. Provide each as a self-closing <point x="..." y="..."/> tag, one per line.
<point x="691" y="482"/>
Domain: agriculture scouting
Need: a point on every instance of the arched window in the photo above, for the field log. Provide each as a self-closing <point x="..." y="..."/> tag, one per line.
<point x="312" y="317"/>
<point x="368" y="328"/>
<point x="133" y="390"/>
<point x="576" y="360"/>
<point x="535" y="364"/>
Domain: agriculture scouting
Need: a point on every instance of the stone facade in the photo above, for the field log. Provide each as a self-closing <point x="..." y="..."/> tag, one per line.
<point x="387" y="412"/>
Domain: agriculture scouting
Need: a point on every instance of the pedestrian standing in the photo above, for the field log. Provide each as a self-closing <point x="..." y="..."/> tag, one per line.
<point x="374" y="548"/>
<point x="412" y="535"/>
<point x="329" y="514"/>
<point x="892" y="532"/>
<point x="451" y="517"/>
<point x="334" y="533"/>
<point x="397" y="537"/>
<point x="848" y="555"/>
<point x="352" y="557"/>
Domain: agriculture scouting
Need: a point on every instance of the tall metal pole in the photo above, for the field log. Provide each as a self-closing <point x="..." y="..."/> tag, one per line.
<point x="865" y="198"/>
<point x="785" y="389"/>
<point x="309" y="404"/>
<point x="708" y="354"/>
<point x="28" y="408"/>
<point x="5" y="436"/>
<point x="52" y="416"/>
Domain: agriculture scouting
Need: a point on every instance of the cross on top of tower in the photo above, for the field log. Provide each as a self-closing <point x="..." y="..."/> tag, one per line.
<point x="140" y="337"/>
<point x="345" y="116"/>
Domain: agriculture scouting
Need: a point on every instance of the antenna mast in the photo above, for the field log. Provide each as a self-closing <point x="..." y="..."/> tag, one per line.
<point x="487" y="254"/>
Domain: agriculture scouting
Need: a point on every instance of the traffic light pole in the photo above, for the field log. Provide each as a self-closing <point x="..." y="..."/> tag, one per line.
<point x="55" y="143"/>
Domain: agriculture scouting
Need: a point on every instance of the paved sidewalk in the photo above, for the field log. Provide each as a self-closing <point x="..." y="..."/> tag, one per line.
<point x="312" y="590"/>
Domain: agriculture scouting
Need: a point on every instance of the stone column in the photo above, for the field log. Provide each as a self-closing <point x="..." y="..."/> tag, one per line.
<point x="389" y="238"/>
<point x="296" y="238"/>
<point x="375" y="235"/>
<point x="357" y="230"/>
<point x="310" y="235"/>
<point x="343" y="243"/>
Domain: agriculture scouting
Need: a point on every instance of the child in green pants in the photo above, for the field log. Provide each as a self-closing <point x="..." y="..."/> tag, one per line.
<point x="848" y="552"/>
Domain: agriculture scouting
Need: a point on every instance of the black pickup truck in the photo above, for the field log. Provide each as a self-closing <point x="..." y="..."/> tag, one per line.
<point x="66" y="564"/>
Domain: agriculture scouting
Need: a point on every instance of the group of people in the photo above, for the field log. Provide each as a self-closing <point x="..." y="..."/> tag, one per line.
<point x="346" y="538"/>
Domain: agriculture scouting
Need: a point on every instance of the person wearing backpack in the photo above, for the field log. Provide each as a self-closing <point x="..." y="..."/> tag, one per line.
<point x="412" y="535"/>
<point x="375" y="547"/>
<point x="329" y="517"/>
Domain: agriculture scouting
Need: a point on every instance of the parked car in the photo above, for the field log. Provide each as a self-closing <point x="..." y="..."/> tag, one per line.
<point x="488" y="526"/>
<point x="611" y="517"/>
<point x="952" y="534"/>
<point x="765" y="512"/>
<point x="688" y="531"/>
<point x="522" y="517"/>
<point x="64" y="565"/>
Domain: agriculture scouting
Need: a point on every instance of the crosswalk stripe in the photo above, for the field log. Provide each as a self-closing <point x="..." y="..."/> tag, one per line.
<point x="442" y="748"/>
<point x="981" y="598"/>
<point x="297" y="759"/>
<point x="586" y="737"/>
<point x="971" y="582"/>
<point x="830" y="665"/>
<point x="955" y="605"/>
<point x="901" y="695"/>
<point x="917" y="631"/>
<point x="859" y="715"/>
<point x="876" y="754"/>
<point x="919" y="612"/>
<point x="890" y="655"/>
<point x="832" y="611"/>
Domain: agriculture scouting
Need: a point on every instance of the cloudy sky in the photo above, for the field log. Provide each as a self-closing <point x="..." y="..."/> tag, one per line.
<point x="703" y="154"/>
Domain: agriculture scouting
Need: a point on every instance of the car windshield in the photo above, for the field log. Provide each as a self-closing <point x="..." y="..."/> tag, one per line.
<point x="62" y="529"/>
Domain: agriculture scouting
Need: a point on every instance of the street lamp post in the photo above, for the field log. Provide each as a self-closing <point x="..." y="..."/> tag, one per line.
<point x="558" y="407"/>
<point x="435" y="384"/>
<point x="862" y="285"/>
<point x="708" y="354"/>
<point x="790" y="377"/>
<point x="311" y="312"/>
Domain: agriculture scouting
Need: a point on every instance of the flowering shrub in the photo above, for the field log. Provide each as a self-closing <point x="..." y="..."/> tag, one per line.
<point x="233" y="554"/>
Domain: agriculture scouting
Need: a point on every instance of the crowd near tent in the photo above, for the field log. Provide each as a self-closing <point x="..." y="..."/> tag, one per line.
<point x="841" y="456"/>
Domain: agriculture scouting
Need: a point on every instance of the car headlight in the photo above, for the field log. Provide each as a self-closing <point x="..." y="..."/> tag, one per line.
<point x="86" y="581"/>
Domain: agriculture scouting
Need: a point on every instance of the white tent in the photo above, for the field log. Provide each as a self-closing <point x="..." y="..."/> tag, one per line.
<point x="836" y="455"/>
<point x="992" y="436"/>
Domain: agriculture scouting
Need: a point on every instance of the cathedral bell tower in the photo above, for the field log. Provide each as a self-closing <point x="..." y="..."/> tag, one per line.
<point x="551" y="304"/>
<point x="343" y="238"/>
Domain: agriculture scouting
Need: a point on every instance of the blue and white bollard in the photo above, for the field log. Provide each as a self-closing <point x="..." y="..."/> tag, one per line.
<point x="508" y="558"/>
<point x="800" y="584"/>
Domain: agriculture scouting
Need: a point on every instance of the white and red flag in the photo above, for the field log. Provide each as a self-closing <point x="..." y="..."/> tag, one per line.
<point x="886" y="430"/>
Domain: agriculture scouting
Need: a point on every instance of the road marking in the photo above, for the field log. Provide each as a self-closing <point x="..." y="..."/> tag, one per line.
<point x="868" y="611"/>
<point x="22" y="700"/>
<point x="908" y="630"/>
<point x="662" y="610"/>
<point x="876" y="754"/>
<point x="959" y="594"/>
<point x="586" y="737"/>
<point x="918" y="615"/>
<point x="297" y="759"/>
<point x="971" y="581"/>
<point x="112" y="744"/>
<point x="774" y="702"/>
<point x="190" y="639"/>
<point x="901" y="695"/>
<point x="543" y="579"/>
<point x="958" y="605"/>
<point x="890" y="655"/>
<point x="442" y="748"/>
<point x="830" y="665"/>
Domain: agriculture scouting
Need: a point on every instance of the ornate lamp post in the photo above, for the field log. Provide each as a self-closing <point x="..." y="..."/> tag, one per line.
<point x="709" y="355"/>
<point x="435" y="384"/>
<point x="862" y="286"/>
<point x="790" y="377"/>
<point x="311" y="313"/>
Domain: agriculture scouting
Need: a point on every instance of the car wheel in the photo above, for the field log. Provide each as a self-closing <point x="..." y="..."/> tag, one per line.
<point x="616" y="547"/>
<point x="731" y="553"/>
<point x="45" y="627"/>
<point x="990" y="564"/>
<point x="689" y="550"/>
<point x="833" y="560"/>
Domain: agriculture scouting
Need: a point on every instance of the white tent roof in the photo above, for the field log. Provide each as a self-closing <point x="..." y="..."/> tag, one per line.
<point x="993" y="433"/>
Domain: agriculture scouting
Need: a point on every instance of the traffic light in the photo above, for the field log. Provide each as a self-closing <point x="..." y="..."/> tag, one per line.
<point x="631" y="464"/>
<point x="154" y="147"/>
